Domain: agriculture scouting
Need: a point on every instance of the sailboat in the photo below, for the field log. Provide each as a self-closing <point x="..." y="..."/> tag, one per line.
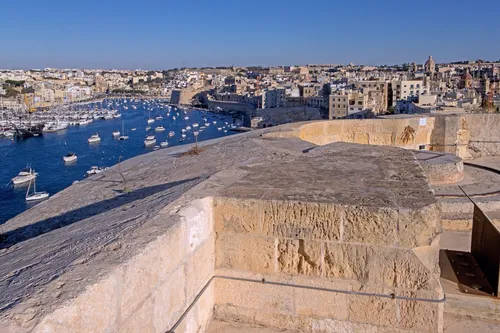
<point x="123" y="136"/>
<point x="35" y="195"/>
<point x="150" y="120"/>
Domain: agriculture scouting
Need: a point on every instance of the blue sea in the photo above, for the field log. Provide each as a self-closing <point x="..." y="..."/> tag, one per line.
<point x="45" y="153"/>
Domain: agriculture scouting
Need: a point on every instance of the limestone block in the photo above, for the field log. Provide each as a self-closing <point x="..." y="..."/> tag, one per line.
<point x="299" y="257"/>
<point x="420" y="316"/>
<point x="381" y="138"/>
<point x="337" y="326"/>
<point x="248" y="252"/>
<point x="252" y="295"/>
<point x="372" y="310"/>
<point x="197" y="218"/>
<point x="361" y="138"/>
<point x="199" y="268"/>
<point x="199" y="317"/>
<point x="139" y="321"/>
<point x="347" y="137"/>
<point x="262" y="317"/>
<point x="304" y="220"/>
<point x="237" y="215"/>
<point x="370" y="225"/>
<point x="169" y="301"/>
<point x="399" y="268"/>
<point x="419" y="226"/>
<point x="93" y="311"/>
<point x="345" y="261"/>
<point x="143" y="273"/>
<point x="317" y="303"/>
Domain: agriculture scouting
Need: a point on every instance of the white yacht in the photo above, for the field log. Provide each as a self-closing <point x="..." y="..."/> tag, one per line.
<point x="186" y="118"/>
<point x="116" y="134"/>
<point x="195" y="125"/>
<point x="183" y="135"/>
<point x="148" y="128"/>
<point x="171" y="133"/>
<point x="24" y="176"/>
<point x="159" y="129"/>
<point x="207" y="124"/>
<point x="94" y="138"/>
<point x="188" y="128"/>
<point x="35" y="195"/>
<point x="123" y="136"/>
<point x="164" y="144"/>
<point x="150" y="141"/>
<point x="71" y="157"/>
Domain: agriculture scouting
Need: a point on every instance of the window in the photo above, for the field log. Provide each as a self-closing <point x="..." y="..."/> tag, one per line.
<point x="418" y="86"/>
<point x="352" y="109"/>
<point x="411" y="92"/>
<point x="405" y="85"/>
<point x="411" y="86"/>
<point x="418" y="92"/>
<point x="360" y="103"/>
<point x="339" y="99"/>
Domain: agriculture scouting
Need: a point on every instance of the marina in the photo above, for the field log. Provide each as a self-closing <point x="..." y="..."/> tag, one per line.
<point x="77" y="142"/>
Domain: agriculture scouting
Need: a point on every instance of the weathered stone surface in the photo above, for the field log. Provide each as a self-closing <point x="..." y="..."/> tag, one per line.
<point x="274" y="299"/>
<point x="370" y="226"/>
<point x="372" y="310"/>
<point x="169" y="301"/>
<point x="362" y="138"/>
<point x="139" y="321"/>
<point x="300" y="257"/>
<point x="248" y="252"/>
<point x="316" y="303"/>
<point x="381" y="138"/>
<point x="419" y="226"/>
<point x="345" y="261"/>
<point x="337" y="326"/>
<point x="199" y="268"/>
<point x="304" y="220"/>
<point x="237" y="215"/>
<point x="420" y="316"/>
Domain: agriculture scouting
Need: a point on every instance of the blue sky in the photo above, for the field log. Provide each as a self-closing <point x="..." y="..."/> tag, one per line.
<point x="153" y="34"/>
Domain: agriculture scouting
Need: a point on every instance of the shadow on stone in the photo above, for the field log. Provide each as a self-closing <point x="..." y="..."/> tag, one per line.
<point x="27" y="232"/>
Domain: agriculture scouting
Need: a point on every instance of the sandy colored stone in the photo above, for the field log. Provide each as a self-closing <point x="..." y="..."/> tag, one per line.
<point x="345" y="261"/>
<point x="418" y="227"/>
<point x="381" y="138"/>
<point x="370" y="226"/>
<point x="300" y="257"/>
<point x="372" y="310"/>
<point x="337" y="326"/>
<point x="302" y="220"/>
<point x="274" y="299"/>
<point x="199" y="268"/>
<point x="317" y="303"/>
<point x="420" y="316"/>
<point x="139" y="321"/>
<point x="362" y="138"/>
<point x="237" y="215"/>
<point x="248" y="252"/>
<point x="278" y="321"/>
<point x="169" y="301"/>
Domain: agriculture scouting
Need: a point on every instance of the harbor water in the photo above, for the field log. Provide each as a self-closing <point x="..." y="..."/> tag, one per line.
<point x="45" y="153"/>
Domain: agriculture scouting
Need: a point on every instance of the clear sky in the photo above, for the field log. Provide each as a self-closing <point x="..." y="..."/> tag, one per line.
<point x="161" y="34"/>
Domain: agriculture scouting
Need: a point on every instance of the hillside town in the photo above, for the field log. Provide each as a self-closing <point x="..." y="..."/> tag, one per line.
<point x="270" y="96"/>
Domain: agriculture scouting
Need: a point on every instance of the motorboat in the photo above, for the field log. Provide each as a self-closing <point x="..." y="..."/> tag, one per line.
<point x="94" y="138"/>
<point x="116" y="134"/>
<point x="24" y="176"/>
<point x="159" y="129"/>
<point x="171" y="133"/>
<point x="183" y="135"/>
<point x="186" y="118"/>
<point x="188" y="128"/>
<point x="156" y="147"/>
<point x="71" y="157"/>
<point x="219" y="128"/>
<point x="207" y="124"/>
<point x="159" y="118"/>
<point x="183" y="130"/>
<point x="164" y="144"/>
<point x="195" y="125"/>
<point x="148" y="128"/>
<point x="123" y="137"/>
<point x="133" y="129"/>
<point x="95" y="170"/>
<point x="35" y="195"/>
<point x="150" y="141"/>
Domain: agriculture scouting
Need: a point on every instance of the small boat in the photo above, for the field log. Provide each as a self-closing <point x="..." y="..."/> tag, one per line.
<point x="219" y="128"/>
<point x="207" y="124"/>
<point x="174" y="117"/>
<point x="188" y="128"/>
<point x="95" y="170"/>
<point x="195" y="125"/>
<point x="164" y="144"/>
<point x="214" y="122"/>
<point x="148" y="128"/>
<point x="24" y="176"/>
<point x="159" y="129"/>
<point x="94" y="138"/>
<point x="150" y="141"/>
<point x="156" y="147"/>
<point x="150" y="121"/>
<point x="35" y="195"/>
<point x="123" y="137"/>
<point x="183" y="130"/>
<point x="117" y="115"/>
<point x="171" y="133"/>
<point x="116" y="134"/>
<point x="159" y="118"/>
<point x="186" y="118"/>
<point x="71" y="157"/>
<point x="133" y="129"/>
<point x="183" y="135"/>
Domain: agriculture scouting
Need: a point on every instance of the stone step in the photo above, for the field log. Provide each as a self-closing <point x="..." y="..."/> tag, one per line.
<point x="463" y="205"/>
<point x="459" y="221"/>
